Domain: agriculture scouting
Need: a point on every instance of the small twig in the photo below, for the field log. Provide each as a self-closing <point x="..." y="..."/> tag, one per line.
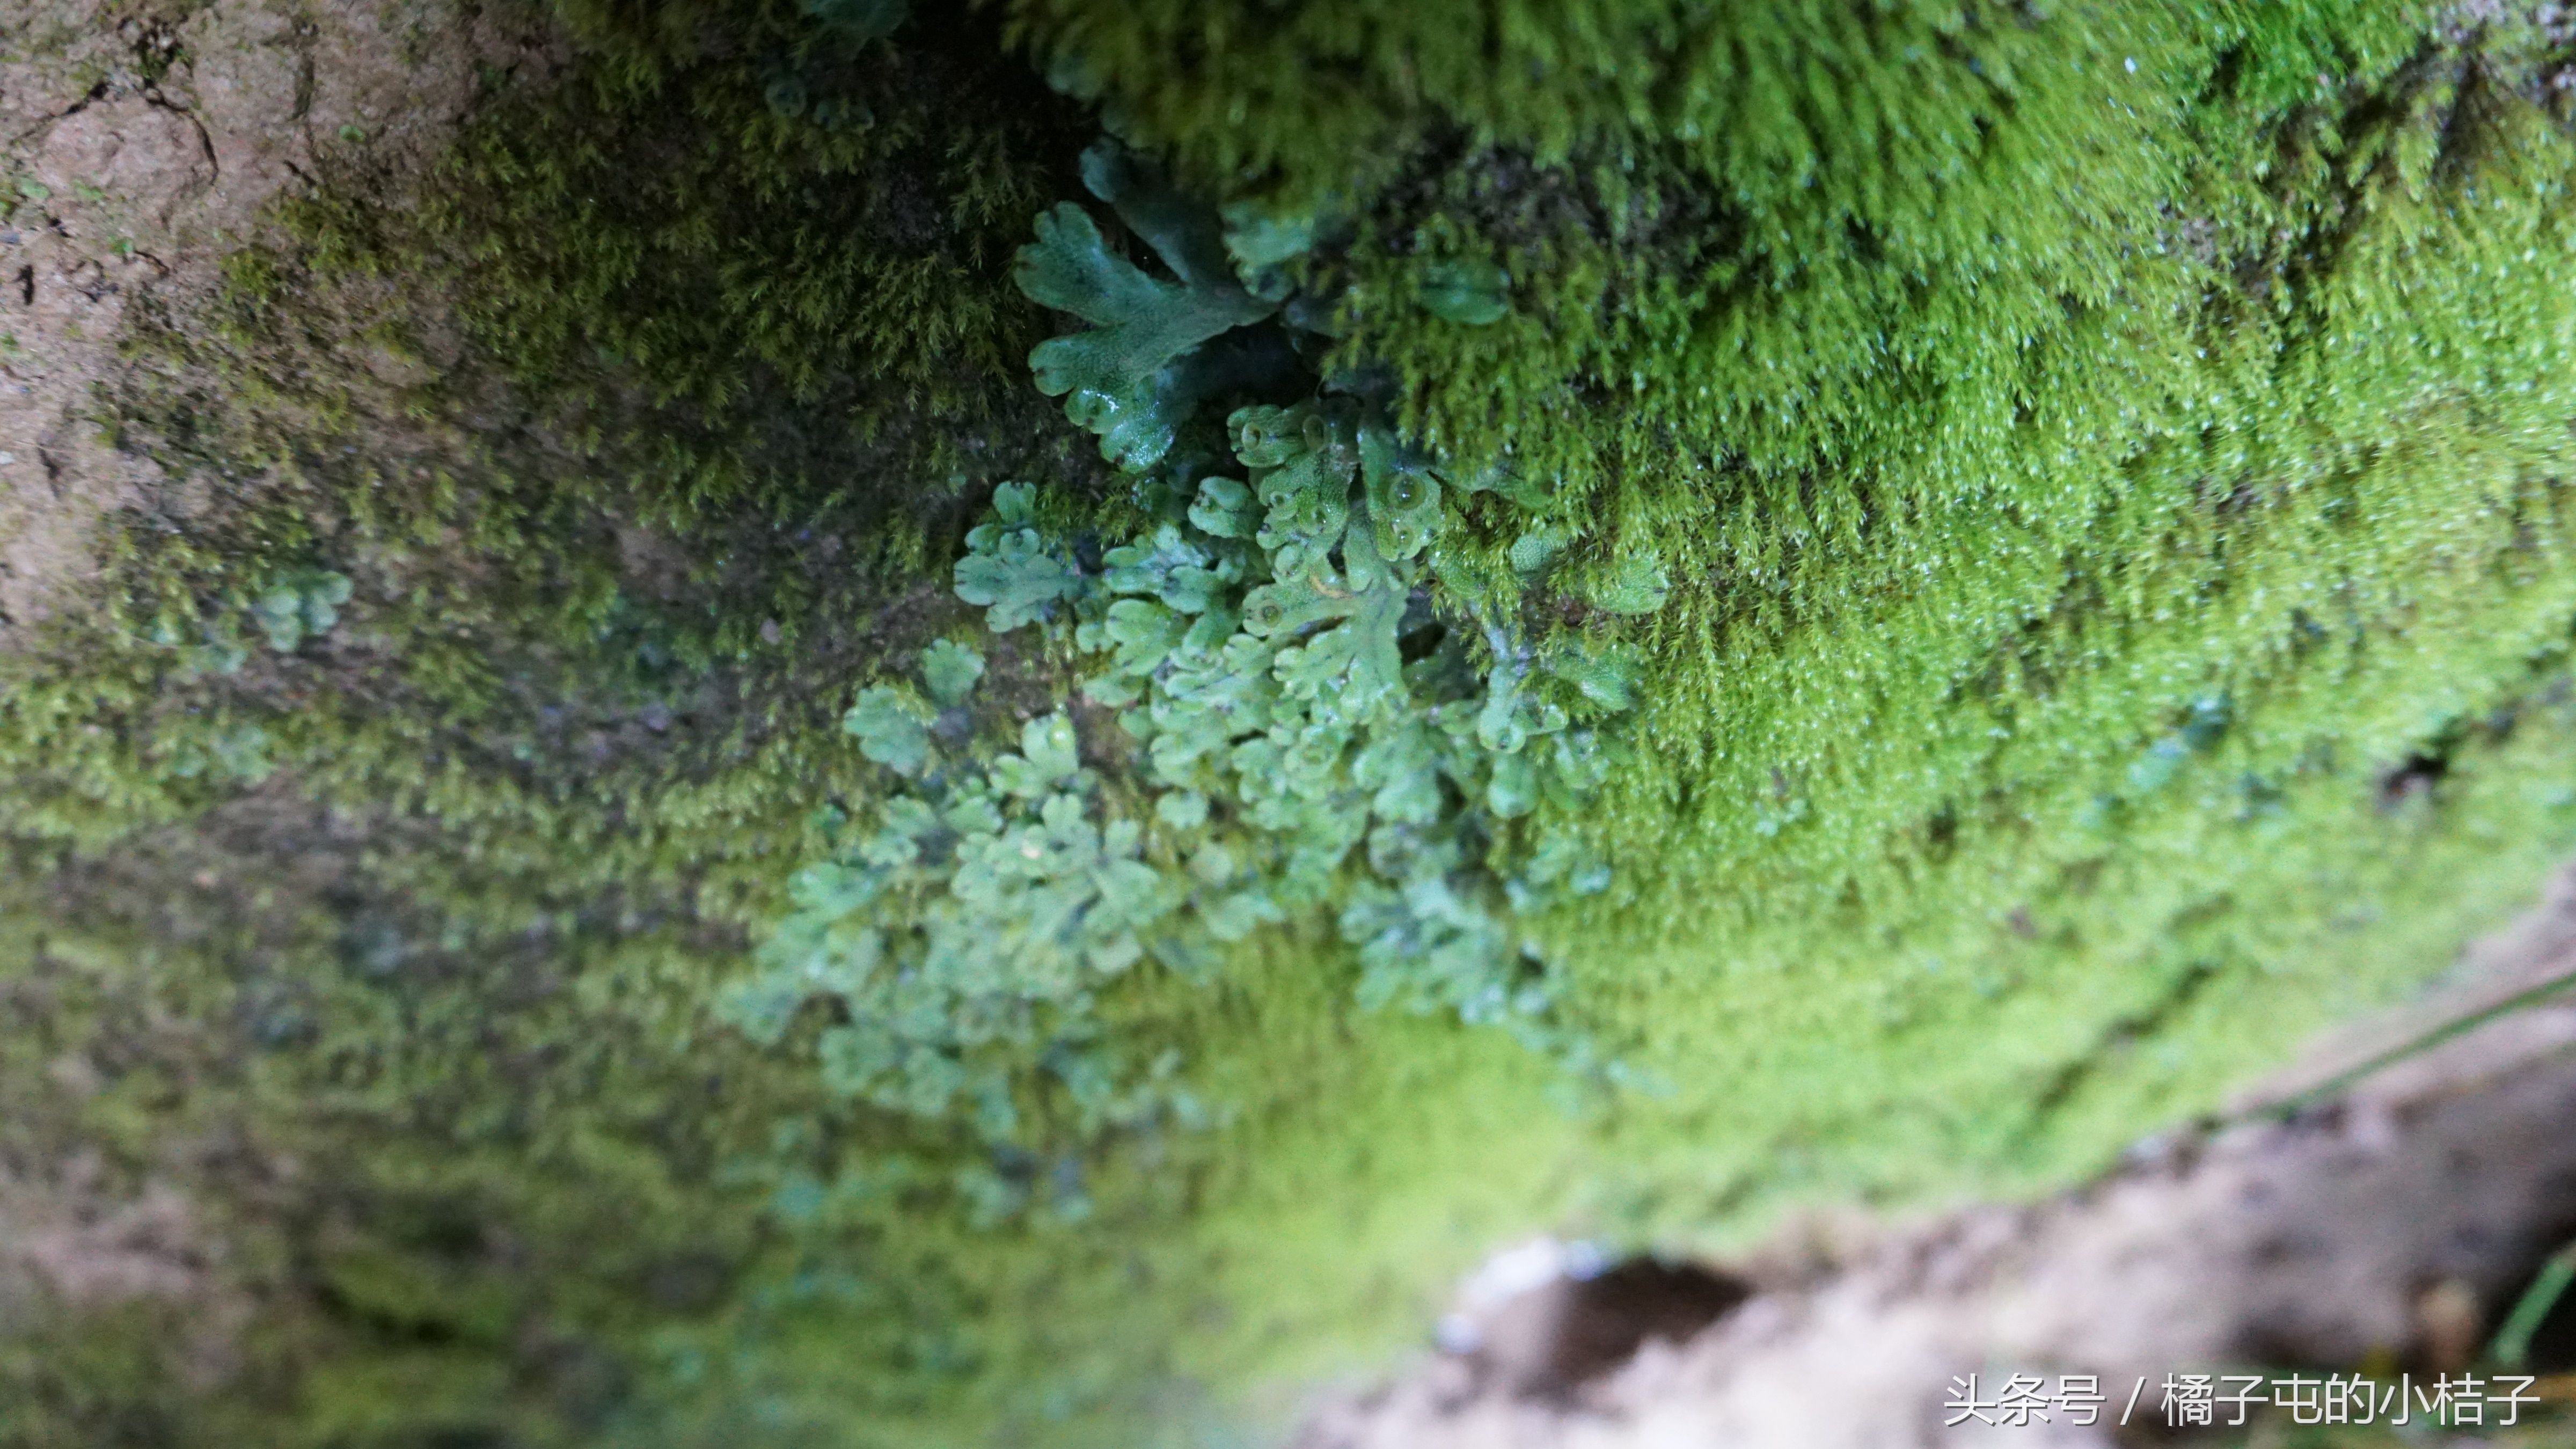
<point x="2513" y="1342"/>
<point x="2335" y="1085"/>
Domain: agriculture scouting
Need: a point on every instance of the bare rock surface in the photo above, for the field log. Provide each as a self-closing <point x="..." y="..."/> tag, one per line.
<point x="2377" y="1207"/>
<point x="135" y="155"/>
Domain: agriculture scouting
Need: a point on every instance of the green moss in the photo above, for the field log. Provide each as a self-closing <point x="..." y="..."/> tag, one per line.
<point x="703" y="246"/>
<point x="1296" y="98"/>
<point x="782" y="363"/>
<point x="2053" y="503"/>
<point x="1802" y="242"/>
<point x="622" y="489"/>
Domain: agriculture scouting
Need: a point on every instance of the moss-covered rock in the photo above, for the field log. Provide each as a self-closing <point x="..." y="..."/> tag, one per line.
<point x="2056" y="521"/>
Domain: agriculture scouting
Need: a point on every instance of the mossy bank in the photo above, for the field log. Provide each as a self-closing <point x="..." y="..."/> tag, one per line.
<point x="1613" y="619"/>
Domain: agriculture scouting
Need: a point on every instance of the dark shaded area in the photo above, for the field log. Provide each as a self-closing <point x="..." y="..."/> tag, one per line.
<point x="1553" y="1340"/>
<point x="1606" y="1319"/>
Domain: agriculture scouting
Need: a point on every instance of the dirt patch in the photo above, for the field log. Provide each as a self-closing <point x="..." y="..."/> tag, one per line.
<point x="67" y="1240"/>
<point x="71" y="1241"/>
<point x="139" y="145"/>
<point x="2381" y="1207"/>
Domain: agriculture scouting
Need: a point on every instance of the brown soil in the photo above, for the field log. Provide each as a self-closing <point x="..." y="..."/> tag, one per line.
<point x="2380" y="1207"/>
